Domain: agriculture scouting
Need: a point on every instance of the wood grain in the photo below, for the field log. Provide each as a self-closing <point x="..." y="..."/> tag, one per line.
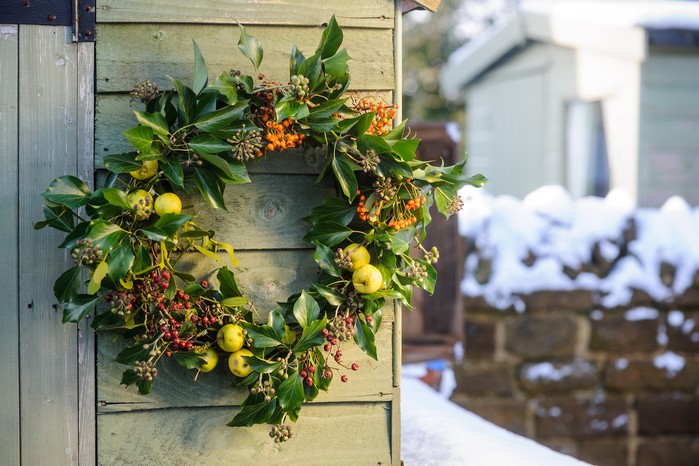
<point x="128" y="54"/>
<point x="47" y="148"/>
<point x="9" y="344"/>
<point x="339" y="434"/>
<point x="365" y="13"/>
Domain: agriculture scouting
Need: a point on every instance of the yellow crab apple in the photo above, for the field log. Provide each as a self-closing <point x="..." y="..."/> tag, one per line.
<point x="237" y="363"/>
<point x="367" y="279"/>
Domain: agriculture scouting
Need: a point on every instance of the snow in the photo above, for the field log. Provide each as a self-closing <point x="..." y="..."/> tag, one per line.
<point x="437" y="432"/>
<point x="671" y="362"/>
<point x="561" y="233"/>
<point x="641" y="313"/>
<point x="675" y="318"/>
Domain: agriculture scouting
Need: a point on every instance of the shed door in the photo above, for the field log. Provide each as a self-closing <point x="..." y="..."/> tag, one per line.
<point x="46" y="121"/>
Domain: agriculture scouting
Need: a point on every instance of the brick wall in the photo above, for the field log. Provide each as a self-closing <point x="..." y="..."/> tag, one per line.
<point x="613" y="387"/>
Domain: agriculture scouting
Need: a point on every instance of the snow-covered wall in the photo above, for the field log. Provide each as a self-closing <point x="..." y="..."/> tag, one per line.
<point x="582" y="324"/>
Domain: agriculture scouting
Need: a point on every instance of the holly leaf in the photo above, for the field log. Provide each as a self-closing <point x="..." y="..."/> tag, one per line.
<point x="331" y="295"/>
<point x="263" y="336"/>
<point x="365" y="339"/>
<point x="311" y="336"/>
<point x="66" y="286"/>
<point x="290" y="393"/>
<point x="79" y="307"/>
<point x="228" y="286"/>
<point x="326" y="260"/>
<point x="120" y="260"/>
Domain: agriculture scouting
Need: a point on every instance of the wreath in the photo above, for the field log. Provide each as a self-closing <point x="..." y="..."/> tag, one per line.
<point x="127" y="238"/>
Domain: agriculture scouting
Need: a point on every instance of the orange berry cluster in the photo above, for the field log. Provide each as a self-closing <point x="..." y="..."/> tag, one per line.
<point x="364" y="213"/>
<point x="278" y="136"/>
<point x="383" y="117"/>
<point x="415" y="203"/>
<point x="401" y="224"/>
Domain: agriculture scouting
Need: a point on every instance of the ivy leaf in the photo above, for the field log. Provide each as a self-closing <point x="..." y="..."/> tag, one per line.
<point x="252" y="414"/>
<point x="325" y="258"/>
<point x="221" y="118"/>
<point x="154" y="121"/>
<point x="250" y="47"/>
<point x="290" y="393"/>
<point x="331" y="295"/>
<point x="331" y="39"/>
<point x="295" y="60"/>
<point x="201" y="75"/>
<point x="226" y="87"/>
<point x="129" y="377"/>
<point x="144" y="386"/>
<point x="79" y="307"/>
<point x="188" y="360"/>
<point x="66" y="286"/>
<point x="207" y="253"/>
<point x="291" y="109"/>
<point x="263" y="336"/>
<point x="334" y="209"/>
<point x="228" y="286"/>
<point x="276" y="321"/>
<point x="97" y="277"/>
<point x="154" y="233"/>
<point x="68" y="191"/>
<point x="428" y="283"/>
<point x="337" y="64"/>
<point x="365" y="339"/>
<point x="172" y="169"/>
<point x="399" y="241"/>
<point x="208" y="144"/>
<point x="311" y="68"/>
<point x="122" y="163"/>
<point x="141" y="137"/>
<point x="405" y="148"/>
<point x="218" y="165"/>
<point x="116" y="197"/>
<point x="105" y="235"/>
<point x="311" y="336"/>
<point x="187" y="100"/>
<point x="306" y="309"/>
<point x="443" y="196"/>
<point x="228" y="248"/>
<point x="59" y="217"/>
<point x="263" y="366"/>
<point x="169" y="223"/>
<point x="345" y="177"/>
<point x="328" y="233"/>
<point x="207" y="183"/>
<point x="120" y="260"/>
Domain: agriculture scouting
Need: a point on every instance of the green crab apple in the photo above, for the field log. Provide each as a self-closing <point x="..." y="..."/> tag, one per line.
<point x="230" y="337"/>
<point x="367" y="279"/>
<point x="237" y="363"/>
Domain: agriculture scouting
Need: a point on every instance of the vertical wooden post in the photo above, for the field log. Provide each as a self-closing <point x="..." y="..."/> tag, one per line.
<point x="9" y="344"/>
<point x="47" y="148"/>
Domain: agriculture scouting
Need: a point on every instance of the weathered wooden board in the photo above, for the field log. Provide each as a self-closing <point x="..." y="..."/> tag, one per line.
<point x="339" y="434"/>
<point x="128" y="54"/>
<point x="115" y="115"/>
<point x="47" y="148"/>
<point x="9" y="344"/>
<point x="366" y="13"/>
<point x="174" y="386"/>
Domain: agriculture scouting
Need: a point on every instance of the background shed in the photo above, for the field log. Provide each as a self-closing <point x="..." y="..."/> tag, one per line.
<point x="588" y="95"/>
<point x="59" y="102"/>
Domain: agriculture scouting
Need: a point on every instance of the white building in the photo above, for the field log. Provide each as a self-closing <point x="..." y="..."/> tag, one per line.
<point x="589" y="95"/>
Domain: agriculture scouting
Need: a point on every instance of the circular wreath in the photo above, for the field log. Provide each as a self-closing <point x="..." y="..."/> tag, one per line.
<point x="130" y="235"/>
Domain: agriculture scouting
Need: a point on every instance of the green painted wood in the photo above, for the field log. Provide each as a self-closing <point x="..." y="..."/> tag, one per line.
<point x="365" y="13"/>
<point x="47" y="148"/>
<point x="9" y="344"/>
<point x="128" y="54"/>
<point x="87" y="423"/>
<point x="336" y="434"/>
<point x="174" y="387"/>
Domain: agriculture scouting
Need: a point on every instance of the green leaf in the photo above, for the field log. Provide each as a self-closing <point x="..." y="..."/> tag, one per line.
<point x="376" y="319"/>
<point x="154" y="233"/>
<point x="290" y="393"/>
<point x="405" y="148"/>
<point x="325" y="258"/>
<point x="345" y="176"/>
<point x="328" y="233"/>
<point x="207" y="183"/>
<point x="331" y="295"/>
<point x="66" y="286"/>
<point x="252" y="414"/>
<point x="364" y="337"/>
<point x="155" y="121"/>
<point x="295" y="60"/>
<point x="334" y="209"/>
<point x="276" y="321"/>
<point x="131" y="354"/>
<point x="208" y="144"/>
<point x="201" y="75"/>
<point x="250" y="47"/>
<point x="263" y="336"/>
<point x="129" y="377"/>
<point x="144" y="386"/>
<point x="429" y="282"/>
<point x="263" y="366"/>
<point x="97" y="277"/>
<point x="105" y="235"/>
<point x="207" y="253"/>
<point x="188" y="360"/>
<point x="331" y="39"/>
<point x="173" y="171"/>
<point x="236" y="301"/>
<point x="116" y="197"/>
<point x="442" y="198"/>
<point x="399" y="241"/>
<point x="120" y="260"/>
<point x="291" y="109"/>
<point x="187" y="100"/>
<point x="141" y="137"/>
<point x="386" y="263"/>
<point x="68" y="191"/>
<point x="221" y="118"/>
<point x="121" y="163"/>
<point x="79" y="307"/>
<point x="226" y="86"/>
<point x="170" y="223"/>
<point x="217" y="163"/>
<point x="337" y="64"/>
<point x="391" y="294"/>
<point x="59" y="217"/>
<point x="227" y="284"/>
<point x="311" y="68"/>
<point x="142" y="260"/>
<point x="306" y="309"/>
<point x="311" y="336"/>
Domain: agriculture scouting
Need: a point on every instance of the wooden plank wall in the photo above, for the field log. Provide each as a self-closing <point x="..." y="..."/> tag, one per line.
<point x="139" y="41"/>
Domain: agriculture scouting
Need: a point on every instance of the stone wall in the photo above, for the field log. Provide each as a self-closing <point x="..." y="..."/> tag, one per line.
<point x="611" y="386"/>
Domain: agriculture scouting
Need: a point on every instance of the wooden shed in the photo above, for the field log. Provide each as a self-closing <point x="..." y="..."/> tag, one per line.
<point x="66" y="70"/>
<point x="589" y="95"/>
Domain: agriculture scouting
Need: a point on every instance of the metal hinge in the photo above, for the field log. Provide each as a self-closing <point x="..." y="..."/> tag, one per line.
<point x="79" y="14"/>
